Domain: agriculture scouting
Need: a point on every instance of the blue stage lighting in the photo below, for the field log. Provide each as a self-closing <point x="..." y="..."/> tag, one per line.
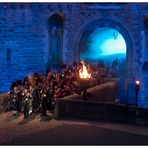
<point x="105" y="44"/>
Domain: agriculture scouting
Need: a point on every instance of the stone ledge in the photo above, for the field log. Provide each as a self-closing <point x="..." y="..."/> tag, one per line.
<point x="75" y="106"/>
<point x="105" y="92"/>
<point x="80" y="109"/>
<point x="101" y="109"/>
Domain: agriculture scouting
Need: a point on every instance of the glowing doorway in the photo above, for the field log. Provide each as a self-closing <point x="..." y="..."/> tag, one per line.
<point x="106" y="44"/>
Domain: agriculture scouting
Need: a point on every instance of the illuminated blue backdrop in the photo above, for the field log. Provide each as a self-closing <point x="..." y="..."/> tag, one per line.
<point x="105" y="44"/>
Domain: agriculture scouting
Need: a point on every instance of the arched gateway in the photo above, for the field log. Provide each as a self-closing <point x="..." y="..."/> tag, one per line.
<point x="88" y="28"/>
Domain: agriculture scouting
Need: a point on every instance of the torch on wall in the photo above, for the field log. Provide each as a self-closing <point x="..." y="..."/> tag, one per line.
<point x="84" y="76"/>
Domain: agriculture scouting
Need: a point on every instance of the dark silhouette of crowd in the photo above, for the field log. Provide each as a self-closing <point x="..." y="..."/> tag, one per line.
<point x="38" y="92"/>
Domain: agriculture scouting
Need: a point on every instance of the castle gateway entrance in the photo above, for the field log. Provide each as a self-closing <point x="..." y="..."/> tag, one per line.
<point x="107" y="41"/>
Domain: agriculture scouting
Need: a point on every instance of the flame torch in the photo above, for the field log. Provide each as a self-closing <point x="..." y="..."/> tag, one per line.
<point x="84" y="79"/>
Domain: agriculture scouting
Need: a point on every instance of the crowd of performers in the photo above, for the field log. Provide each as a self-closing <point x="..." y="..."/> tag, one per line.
<point x="38" y="92"/>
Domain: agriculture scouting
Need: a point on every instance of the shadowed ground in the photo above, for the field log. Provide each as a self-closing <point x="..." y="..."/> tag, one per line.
<point x="39" y="130"/>
<point x="80" y="135"/>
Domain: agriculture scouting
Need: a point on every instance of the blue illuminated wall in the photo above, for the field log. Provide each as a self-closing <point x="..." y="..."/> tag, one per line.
<point x="25" y="42"/>
<point x="105" y="44"/>
<point x="22" y="32"/>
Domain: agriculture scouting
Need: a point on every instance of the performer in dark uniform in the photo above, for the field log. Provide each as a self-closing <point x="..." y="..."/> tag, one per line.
<point x="27" y="100"/>
<point x="15" y="101"/>
<point x="36" y="98"/>
<point x="49" y="97"/>
<point x="44" y="102"/>
<point x="19" y="99"/>
<point x="26" y="108"/>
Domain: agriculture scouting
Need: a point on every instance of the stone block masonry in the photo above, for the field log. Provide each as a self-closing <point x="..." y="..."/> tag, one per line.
<point x="24" y="36"/>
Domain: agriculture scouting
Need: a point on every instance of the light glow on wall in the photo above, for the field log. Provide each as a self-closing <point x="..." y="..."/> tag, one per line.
<point x="104" y="44"/>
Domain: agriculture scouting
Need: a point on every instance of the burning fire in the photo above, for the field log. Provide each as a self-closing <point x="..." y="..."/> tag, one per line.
<point x="83" y="73"/>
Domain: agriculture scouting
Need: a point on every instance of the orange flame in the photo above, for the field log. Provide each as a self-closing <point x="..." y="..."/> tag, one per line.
<point x="83" y="72"/>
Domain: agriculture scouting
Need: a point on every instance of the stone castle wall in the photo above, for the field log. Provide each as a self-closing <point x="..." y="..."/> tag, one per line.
<point x="24" y="40"/>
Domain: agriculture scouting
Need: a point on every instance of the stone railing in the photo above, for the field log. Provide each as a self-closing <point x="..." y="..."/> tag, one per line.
<point x="104" y="93"/>
<point x="100" y="106"/>
<point x="101" y="111"/>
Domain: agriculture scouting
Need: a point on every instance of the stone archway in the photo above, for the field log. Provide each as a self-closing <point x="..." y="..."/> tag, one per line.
<point x="96" y="23"/>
